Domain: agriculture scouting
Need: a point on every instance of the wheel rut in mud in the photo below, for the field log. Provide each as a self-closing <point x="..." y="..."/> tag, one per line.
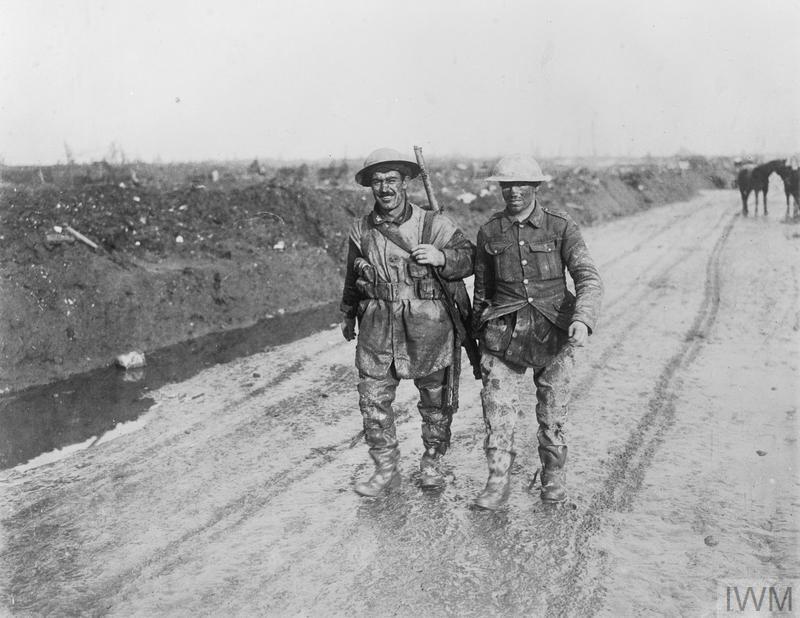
<point x="628" y="467"/>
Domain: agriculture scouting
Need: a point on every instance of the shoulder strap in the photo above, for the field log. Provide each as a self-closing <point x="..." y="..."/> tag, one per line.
<point x="393" y="235"/>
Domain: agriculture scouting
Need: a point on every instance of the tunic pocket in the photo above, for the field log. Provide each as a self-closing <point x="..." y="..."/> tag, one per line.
<point x="547" y="259"/>
<point x="506" y="261"/>
<point x="416" y="271"/>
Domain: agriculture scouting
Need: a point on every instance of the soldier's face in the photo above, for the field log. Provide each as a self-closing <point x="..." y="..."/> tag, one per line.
<point x="518" y="196"/>
<point x="389" y="189"/>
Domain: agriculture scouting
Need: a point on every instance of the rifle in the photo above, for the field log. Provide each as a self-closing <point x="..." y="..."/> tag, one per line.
<point x="471" y="347"/>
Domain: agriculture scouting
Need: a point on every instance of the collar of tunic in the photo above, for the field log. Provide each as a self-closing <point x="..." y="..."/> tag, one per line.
<point x="534" y="219"/>
<point x="378" y="218"/>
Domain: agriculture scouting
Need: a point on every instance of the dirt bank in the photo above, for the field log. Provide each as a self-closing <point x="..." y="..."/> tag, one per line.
<point x="188" y="250"/>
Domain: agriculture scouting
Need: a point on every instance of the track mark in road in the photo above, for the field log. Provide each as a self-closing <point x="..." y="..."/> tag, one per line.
<point x="624" y="298"/>
<point x="581" y="587"/>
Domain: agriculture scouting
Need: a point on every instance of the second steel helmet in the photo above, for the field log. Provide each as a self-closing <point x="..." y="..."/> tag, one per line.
<point x="517" y="168"/>
<point x="386" y="156"/>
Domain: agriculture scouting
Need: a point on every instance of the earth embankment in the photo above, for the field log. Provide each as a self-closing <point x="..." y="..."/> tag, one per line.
<point x="185" y="251"/>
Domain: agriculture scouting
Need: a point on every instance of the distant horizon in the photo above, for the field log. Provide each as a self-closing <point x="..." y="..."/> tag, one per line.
<point x="270" y="160"/>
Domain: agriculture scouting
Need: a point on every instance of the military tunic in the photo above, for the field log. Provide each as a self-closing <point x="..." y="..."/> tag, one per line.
<point x="523" y="309"/>
<point x="402" y="317"/>
<point x="521" y="293"/>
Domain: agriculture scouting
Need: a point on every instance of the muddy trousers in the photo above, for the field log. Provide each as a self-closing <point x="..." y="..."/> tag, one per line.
<point x="499" y="396"/>
<point x="376" y="396"/>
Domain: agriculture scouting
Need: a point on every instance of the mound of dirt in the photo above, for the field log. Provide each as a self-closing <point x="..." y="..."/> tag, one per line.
<point x="182" y="253"/>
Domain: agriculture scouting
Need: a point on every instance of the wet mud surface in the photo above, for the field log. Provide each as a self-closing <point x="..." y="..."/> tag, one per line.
<point x="234" y="495"/>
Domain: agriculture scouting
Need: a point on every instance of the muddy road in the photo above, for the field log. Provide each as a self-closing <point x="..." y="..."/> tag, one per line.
<point x="233" y="495"/>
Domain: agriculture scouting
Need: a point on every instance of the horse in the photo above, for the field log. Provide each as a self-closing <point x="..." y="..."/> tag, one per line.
<point x="790" y="174"/>
<point x="744" y="182"/>
<point x="755" y="179"/>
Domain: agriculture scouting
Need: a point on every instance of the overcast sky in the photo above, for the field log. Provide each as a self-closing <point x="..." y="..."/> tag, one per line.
<point x="192" y="80"/>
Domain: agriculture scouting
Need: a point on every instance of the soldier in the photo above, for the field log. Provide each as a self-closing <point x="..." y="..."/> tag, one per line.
<point x="403" y="324"/>
<point x="526" y="318"/>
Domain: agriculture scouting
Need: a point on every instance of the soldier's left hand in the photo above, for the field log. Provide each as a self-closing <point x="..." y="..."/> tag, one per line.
<point x="578" y="333"/>
<point x="428" y="254"/>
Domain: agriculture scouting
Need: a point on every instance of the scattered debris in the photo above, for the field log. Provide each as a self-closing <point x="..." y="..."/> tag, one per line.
<point x="131" y="360"/>
<point x="711" y="540"/>
<point x="57" y="239"/>
<point x="279" y="246"/>
<point x="81" y="237"/>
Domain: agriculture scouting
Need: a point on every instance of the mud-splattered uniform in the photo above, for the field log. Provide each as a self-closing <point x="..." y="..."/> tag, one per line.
<point x="404" y="328"/>
<point x="523" y="309"/>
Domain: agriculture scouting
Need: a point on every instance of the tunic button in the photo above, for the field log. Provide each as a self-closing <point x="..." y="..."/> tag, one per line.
<point x="521" y="242"/>
<point x="524" y="262"/>
<point x="525" y="281"/>
<point x="530" y="299"/>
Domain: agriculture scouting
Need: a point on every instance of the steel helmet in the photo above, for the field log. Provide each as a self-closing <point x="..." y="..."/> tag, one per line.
<point x="517" y="168"/>
<point x="388" y="157"/>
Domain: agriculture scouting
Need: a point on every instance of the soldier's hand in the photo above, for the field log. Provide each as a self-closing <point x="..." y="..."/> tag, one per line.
<point x="348" y="327"/>
<point x="428" y="254"/>
<point x="578" y="333"/>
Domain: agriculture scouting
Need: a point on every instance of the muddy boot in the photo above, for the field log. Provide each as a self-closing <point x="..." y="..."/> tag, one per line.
<point x="386" y="473"/>
<point x="435" y="438"/>
<point x="431" y="476"/>
<point x="554" y="474"/>
<point x="495" y="494"/>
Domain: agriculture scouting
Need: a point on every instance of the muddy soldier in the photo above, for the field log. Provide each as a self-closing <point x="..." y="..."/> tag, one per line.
<point x="403" y="326"/>
<point x="528" y="319"/>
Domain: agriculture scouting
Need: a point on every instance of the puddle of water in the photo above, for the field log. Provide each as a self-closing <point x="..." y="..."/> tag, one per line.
<point x="44" y="419"/>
